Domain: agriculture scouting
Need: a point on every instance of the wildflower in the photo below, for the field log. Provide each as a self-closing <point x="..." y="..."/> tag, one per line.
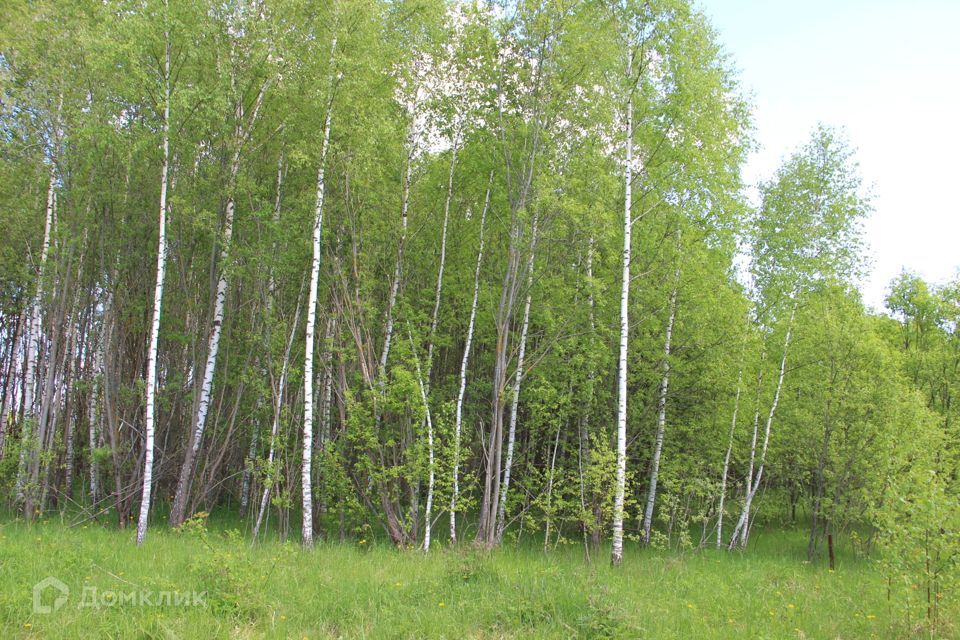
<point x="441" y="605"/>
<point x="689" y="605"/>
<point x="362" y="541"/>
<point x="283" y="617"/>
<point x="789" y="606"/>
<point x="27" y="625"/>
<point x="871" y="616"/>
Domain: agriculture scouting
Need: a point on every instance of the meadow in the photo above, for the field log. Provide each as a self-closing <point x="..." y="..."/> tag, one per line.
<point x="210" y="582"/>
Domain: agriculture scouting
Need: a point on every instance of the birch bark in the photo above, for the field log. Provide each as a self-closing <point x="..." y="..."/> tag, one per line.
<point x="33" y="345"/>
<point x="661" y="411"/>
<point x="157" y="303"/>
<point x="271" y="290"/>
<point x="616" y="555"/>
<point x="458" y="419"/>
<point x="515" y="402"/>
<point x="742" y="531"/>
<point x="179" y="508"/>
<point x="428" y="514"/>
<point x="306" y="478"/>
<point x="278" y="391"/>
<point x="726" y="460"/>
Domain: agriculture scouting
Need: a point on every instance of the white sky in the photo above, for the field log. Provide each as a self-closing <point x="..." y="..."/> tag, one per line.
<point x="886" y="72"/>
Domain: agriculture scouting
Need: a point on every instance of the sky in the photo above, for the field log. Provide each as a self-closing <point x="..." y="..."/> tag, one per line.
<point x="887" y="73"/>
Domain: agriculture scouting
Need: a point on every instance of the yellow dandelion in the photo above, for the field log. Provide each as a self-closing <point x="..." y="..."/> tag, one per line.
<point x="789" y="606"/>
<point x="689" y="605"/>
<point x="871" y="616"/>
<point x="283" y="617"/>
<point x="27" y="625"/>
<point x="441" y="605"/>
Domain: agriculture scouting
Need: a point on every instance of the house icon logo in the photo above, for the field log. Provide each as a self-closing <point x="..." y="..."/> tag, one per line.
<point x="60" y="594"/>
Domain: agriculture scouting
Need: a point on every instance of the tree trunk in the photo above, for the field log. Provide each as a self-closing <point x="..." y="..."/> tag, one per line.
<point x="278" y="391"/>
<point x="726" y="460"/>
<point x="743" y="525"/>
<point x="33" y="346"/>
<point x="501" y="499"/>
<point x="157" y="301"/>
<point x="306" y="479"/>
<point x="661" y="410"/>
<point x="8" y="407"/>
<point x="247" y="485"/>
<point x="178" y="511"/>
<point x="616" y="556"/>
<point x="428" y="514"/>
<point x="458" y="420"/>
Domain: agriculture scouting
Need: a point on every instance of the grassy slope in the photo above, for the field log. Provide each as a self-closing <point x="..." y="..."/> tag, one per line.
<point x="364" y="591"/>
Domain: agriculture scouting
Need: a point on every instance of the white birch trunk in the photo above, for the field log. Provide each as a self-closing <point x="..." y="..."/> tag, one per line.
<point x="515" y="400"/>
<point x="9" y="390"/>
<point x="248" y="469"/>
<point x="278" y="392"/>
<point x="271" y="290"/>
<point x="458" y="420"/>
<point x="661" y="414"/>
<point x="326" y="402"/>
<point x="742" y="532"/>
<point x="616" y="556"/>
<point x="549" y="508"/>
<point x="93" y="416"/>
<point x="306" y="478"/>
<point x="395" y="285"/>
<point x="726" y="460"/>
<point x="178" y="511"/>
<point x="33" y="341"/>
<point x="435" y="319"/>
<point x="434" y="322"/>
<point x="157" y="301"/>
<point x="428" y="514"/>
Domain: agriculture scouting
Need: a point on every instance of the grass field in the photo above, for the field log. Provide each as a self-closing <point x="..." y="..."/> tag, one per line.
<point x="368" y="590"/>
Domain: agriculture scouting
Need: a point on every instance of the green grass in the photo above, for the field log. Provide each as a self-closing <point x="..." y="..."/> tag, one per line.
<point x="370" y="590"/>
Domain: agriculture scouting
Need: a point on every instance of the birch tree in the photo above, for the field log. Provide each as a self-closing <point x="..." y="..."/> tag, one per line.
<point x="458" y="416"/>
<point x="807" y="231"/>
<point x="306" y="477"/>
<point x="616" y="553"/>
<point x="157" y="301"/>
<point x="244" y="120"/>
